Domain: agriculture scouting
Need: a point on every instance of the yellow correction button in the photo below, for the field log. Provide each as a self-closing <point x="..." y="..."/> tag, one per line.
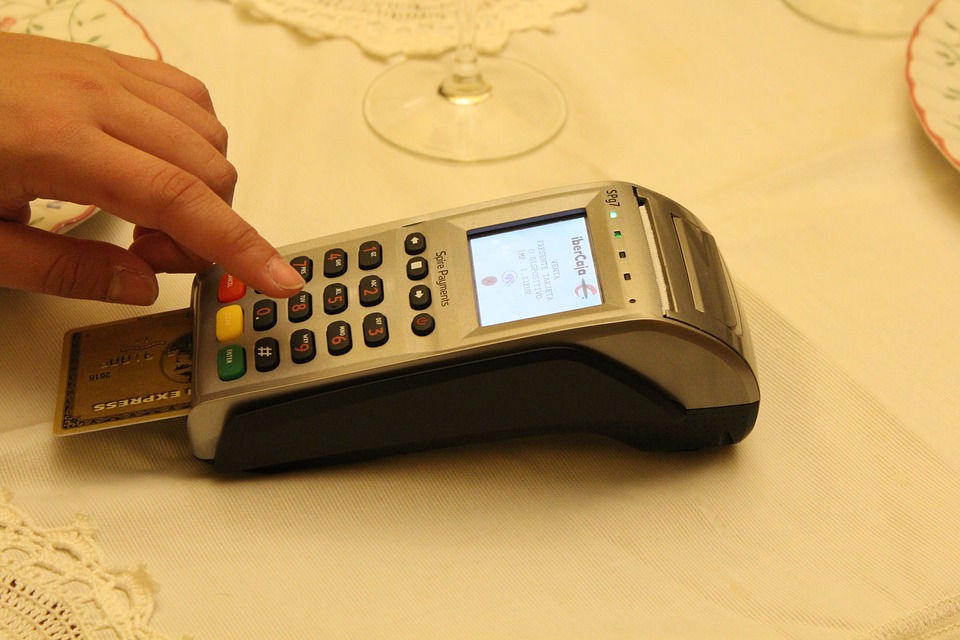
<point x="229" y="323"/>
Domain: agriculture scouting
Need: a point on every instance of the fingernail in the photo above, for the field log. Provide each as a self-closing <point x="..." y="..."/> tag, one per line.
<point x="285" y="276"/>
<point x="130" y="287"/>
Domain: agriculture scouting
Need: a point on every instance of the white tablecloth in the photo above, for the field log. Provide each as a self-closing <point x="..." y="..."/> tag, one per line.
<point x="836" y="518"/>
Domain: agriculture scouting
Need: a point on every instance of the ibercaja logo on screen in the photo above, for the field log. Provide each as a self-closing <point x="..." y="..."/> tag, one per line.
<point x="582" y="264"/>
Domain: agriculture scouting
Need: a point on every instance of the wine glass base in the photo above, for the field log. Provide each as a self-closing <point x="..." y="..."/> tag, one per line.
<point x="524" y="111"/>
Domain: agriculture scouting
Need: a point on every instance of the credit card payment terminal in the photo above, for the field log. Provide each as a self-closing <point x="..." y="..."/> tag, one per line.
<point x="602" y="308"/>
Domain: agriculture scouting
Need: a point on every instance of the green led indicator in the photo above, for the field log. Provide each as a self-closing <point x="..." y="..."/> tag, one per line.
<point x="617" y="234"/>
<point x="613" y="214"/>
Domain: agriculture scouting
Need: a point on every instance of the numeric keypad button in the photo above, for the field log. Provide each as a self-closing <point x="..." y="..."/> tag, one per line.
<point x="264" y="315"/>
<point x="375" y="331"/>
<point x="339" y="339"/>
<point x="371" y="255"/>
<point x="300" y="307"/>
<point x="334" y="263"/>
<point x="334" y="298"/>
<point x="304" y="267"/>
<point x="266" y="354"/>
<point x="371" y="291"/>
<point x="303" y="346"/>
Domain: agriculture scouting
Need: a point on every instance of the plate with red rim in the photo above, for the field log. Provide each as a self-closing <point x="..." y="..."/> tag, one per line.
<point x="101" y="23"/>
<point x="933" y="76"/>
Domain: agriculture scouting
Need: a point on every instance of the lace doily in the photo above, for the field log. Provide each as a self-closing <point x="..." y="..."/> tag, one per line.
<point x="53" y="585"/>
<point x="413" y="27"/>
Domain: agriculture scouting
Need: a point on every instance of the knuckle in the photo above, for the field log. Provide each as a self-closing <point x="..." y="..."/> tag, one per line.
<point x="174" y="188"/>
<point x="181" y="196"/>
<point x="224" y="177"/>
<point x="69" y="277"/>
<point x="183" y="82"/>
<point x="219" y="137"/>
<point x="239" y="238"/>
<point x="195" y="89"/>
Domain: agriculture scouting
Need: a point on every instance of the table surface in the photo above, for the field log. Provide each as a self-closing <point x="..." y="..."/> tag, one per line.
<point x="836" y="518"/>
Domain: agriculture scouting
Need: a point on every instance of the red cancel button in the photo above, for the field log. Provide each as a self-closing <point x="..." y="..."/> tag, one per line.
<point x="230" y="289"/>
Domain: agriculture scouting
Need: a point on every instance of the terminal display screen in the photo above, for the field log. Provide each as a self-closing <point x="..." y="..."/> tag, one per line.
<point x="536" y="269"/>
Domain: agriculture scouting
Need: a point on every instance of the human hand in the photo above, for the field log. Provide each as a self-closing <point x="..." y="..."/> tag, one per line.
<point x="137" y="138"/>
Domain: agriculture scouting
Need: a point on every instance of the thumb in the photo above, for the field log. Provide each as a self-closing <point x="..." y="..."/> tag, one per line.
<point x="36" y="260"/>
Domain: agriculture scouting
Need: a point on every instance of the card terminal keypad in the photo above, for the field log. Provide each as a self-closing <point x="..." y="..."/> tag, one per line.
<point x="314" y="311"/>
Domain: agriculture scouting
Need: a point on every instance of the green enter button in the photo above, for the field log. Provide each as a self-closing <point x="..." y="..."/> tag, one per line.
<point x="231" y="362"/>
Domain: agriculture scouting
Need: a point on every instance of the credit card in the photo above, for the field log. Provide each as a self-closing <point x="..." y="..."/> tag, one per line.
<point x="127" y="372"/>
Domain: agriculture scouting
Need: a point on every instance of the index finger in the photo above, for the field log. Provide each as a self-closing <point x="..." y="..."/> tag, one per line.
<point x="153" y="193"/>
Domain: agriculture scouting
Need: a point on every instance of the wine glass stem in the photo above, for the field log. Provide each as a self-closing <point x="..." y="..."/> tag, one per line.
<point x="465" y="84"/>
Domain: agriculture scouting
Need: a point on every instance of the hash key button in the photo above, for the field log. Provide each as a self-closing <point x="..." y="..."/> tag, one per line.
<point x="266" y="354"/>
<point x="417" y="268"/>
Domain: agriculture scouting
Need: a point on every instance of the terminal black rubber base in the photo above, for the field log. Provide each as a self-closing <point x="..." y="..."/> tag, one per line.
<point x="545" y="391"/>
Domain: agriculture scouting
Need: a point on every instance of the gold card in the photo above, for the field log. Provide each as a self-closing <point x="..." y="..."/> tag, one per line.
<point x="126" y="372"/>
